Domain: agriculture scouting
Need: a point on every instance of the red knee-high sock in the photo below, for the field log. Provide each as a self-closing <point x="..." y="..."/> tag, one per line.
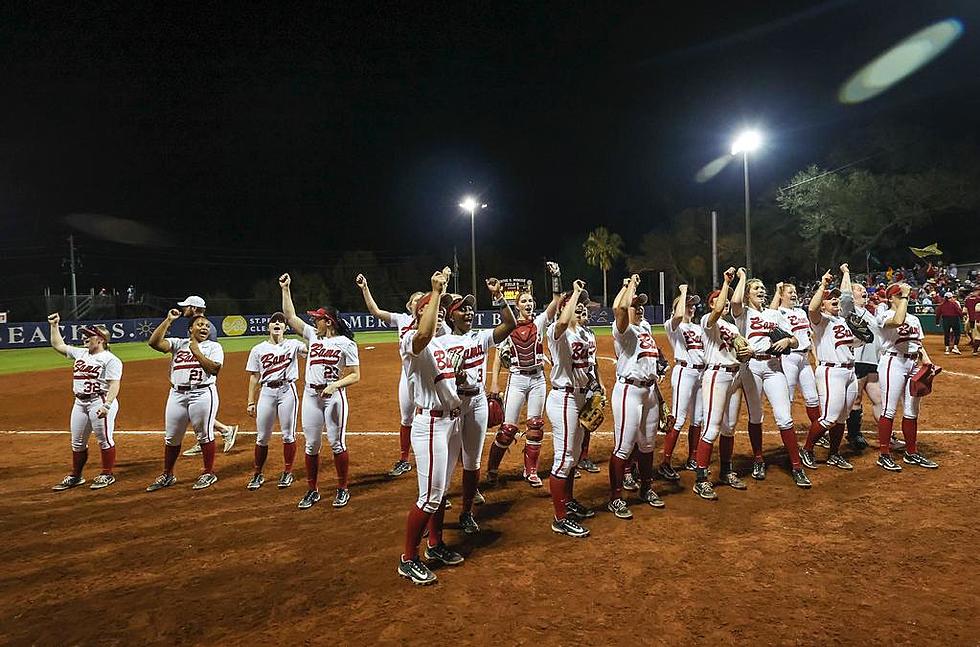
<point x="207" y="454"/>
<point x="693" y="436"/>
<point x="570" y="487"/>
<point x="288" y="456"/>
<point x="312" y="470"/>
<point x="78" y="460"/>
<point x="341" y="463"/>
<point x="726" y="448"/>
<point x="170" y="454"/>
<point x="414" y="525"/>
<point x="497" y="455"/>
<point x="792" y="446"/>
<point x="405" y="441"/>
<point x="470" y="480"/>
<point x="704" y="454"/>
<point x="755" y="437"/>
<point x="885" y="435"/>
<point x="645" y="462"/>
<point x="910" y="429"/>
<point x="669" y="443"/>
<point x="813" y="413"/>
<point x="617" y="472"/>
<point x="836" y="435"/>
<point x="557" y="487"/>
<point x="816" y="430"/>
<point x="261" y="453"/>
<point x="435" y="524"/>
<point x="586" y="439"/>
<point x="532" y="452"/>
<point x="108" y="459"/>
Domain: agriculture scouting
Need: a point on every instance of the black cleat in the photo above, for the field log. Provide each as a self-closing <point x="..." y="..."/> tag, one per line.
<point x="668" y="473"/>
<point x="652" y="499"/>
<point x="68" y="483"/>
<point x="629" y="483"/>
<point x="885" y="462"/>
<point x="342" y="498"/>
<point x="857" y="441"/>
<point x="920" y="460"/>
<point x="705" y="490"/>
<point x="569" y="527"/>
<point x="416" y="571"/>
<point x="400" y="467"/>
<point x="838" y="461"/>
<point x="255" y="482"/>
<point x="807" y="457"/>
<point x="442" y="553"/>
<point x="759" y="471"/>
<point x="311" y="498"/>
<point x="468" y="524"/>
<point x="823" y="441"/>
<point x="575" y="509"/>
<point x="801" y="480"/>
<point x="731" y="480"/>
<point x="619" y="508"/>
<point x="588" y="466"/>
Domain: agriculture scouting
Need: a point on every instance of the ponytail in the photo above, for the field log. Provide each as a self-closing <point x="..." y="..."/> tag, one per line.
<point x="340" y="325"/>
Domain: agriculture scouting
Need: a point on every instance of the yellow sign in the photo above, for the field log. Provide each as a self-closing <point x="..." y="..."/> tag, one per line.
<point x="234" y="325"/>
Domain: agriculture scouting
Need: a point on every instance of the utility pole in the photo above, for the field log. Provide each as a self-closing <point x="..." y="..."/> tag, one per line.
<point x="714" y="249"/>
<point x="74" y="285"/>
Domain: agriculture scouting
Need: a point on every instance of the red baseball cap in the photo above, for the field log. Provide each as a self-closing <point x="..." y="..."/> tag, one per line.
<point x="444" y="302"/>
<point x="893" y="289"/>
<point x="714" y="295"/>
<point x="96" y="331"/>
<point x="321" y="313"/>
<point x="639" y="300"/>
<point x="457" y="301"/>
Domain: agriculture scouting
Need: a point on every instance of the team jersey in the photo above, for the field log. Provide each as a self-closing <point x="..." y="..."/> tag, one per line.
<point x="798" y="323"/>
<point x="401" y="321"/>
<point x="636" y="352"/>
<point x="905" y="339"/>
<point x="185" y="370"/>
<point x="92" y="373"/>
<point x="867" y="353"/>
<point x="527" y="343"/>
<point x="570" y="363"/>
<point x="432" y="380"/>
<point x="687" y="341"/>
<point x="719" y="342"/>
<point x="757" y="324"/>
<point x="328" y="356"/>
<point x="833" y="340"/>
<point x="276" y="362"/>
<point x="474" y="346"/>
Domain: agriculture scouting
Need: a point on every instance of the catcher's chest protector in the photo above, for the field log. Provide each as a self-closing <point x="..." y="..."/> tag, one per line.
<point x="526" y="345"/>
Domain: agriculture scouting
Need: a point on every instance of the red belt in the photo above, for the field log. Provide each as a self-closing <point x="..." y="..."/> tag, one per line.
<point x="763" y="358"/>
<point x="569" y="389"/>
<point x="184" y="388"/>
<point x="833" y="365"/>
<point x="88" y="396"/>
<point x="317" y="387"/>
<point x="697" y="367"/>
<point x="640" y="383"/>
<point x="804" y="351"/>
<point x="905" y="355"/>
<point x="469" y="392"/>
<point x="276" y="384"/>
<point x="436" y="413"/>
<point x="723" y="367"/>
<point x="528" y="371"/>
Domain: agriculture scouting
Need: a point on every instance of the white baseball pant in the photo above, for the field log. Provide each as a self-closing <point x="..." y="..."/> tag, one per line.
<point x="837" y="388"/>
<point x="566" y="432"/>
<point x="717" y="388"/>
<point x="524" y="388"/>
<point x="685" y="386"/>
<point x="636" y="416"/>
<point x="406" y="403"/>
<point x="893" y="378"/>
<point x="281" y="403"/>
<point x="85" y="421"/>
<point x="799" y="372"/>
<point x="328" y="413"/>
<point x="436" y="442"/>
<point x="766" y="376"/>
<point x="473" y="429"/>
<point x="198" y="407"/>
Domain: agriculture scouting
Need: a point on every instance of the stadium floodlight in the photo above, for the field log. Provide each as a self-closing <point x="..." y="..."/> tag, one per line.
<point x="471" y="204"/>
<point x="748" y="141"/>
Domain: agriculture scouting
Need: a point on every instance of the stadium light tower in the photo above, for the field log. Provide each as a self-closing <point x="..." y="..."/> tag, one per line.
<point x="471" y="205"/>
<point x="747" y="142"/>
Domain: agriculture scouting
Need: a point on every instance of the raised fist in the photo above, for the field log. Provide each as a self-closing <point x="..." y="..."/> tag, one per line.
<point x="741" y="273"/>
<point x="578" y="285"/>
<point x="682" y="287"/>
<point x="906" y="289"/>
<point x="174" y="314"/>
<point x="635" y="278"/>
<point x="844" y="269"/>
<point x="54" y="318"/>
<point x="494" y="286"/>
<point x="779" y="288"/>
<point x="553" y="268"/>
<point x="439" y="281"/>
<point x="827" y="278"/>
<point x="361" y="281"/>
<point x="730" y="274"/>
<point x="284" y="281"/>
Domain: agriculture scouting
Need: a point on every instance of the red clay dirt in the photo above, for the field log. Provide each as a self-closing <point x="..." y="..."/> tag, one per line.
<point x="864" y="557"/>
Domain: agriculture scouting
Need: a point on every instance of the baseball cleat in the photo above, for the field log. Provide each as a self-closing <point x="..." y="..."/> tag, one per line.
<point x="491" y="478"/>
<point x="102" y="481"/>
<point x="956" y="350"/>
<point x="807" y="457"/>
<point x="588" y="466"/>
<point x="652" y="498"/>
<point x="416" y="571"/>
<point x="895" y="444"/>
<point x="629" y="482"/>
<point x="533" y="479"/>
<point x="468" y="524"/>
<point x="478" y="498"/>
<point x="68" y="483"/>
<point x="619" y="508"/>
<point x="885" y="462"/>
<point x="801" y="480"/>
<point x="569" y="527"/>
<point x="449" y="504"/>
<point x="705" y="490"/>
<point x="759" y="471"/>
<point x="255" y="482"/>
<point x="442" y="553"/>
<point x="285" y="480"/>
<point x="575" y="509"/>
<point x="230" y="436"/>
<point x="342" y="498"/>
<point x="690" y="465"/>
<point x="205" y="480"/>
<point x="857" y="442"/>
<point x="667" y="471"/>
<point x="400" y="467"/>
<point x="194" y="451"/>
<point x="164" y="480"/>
<point x="823" y="441"/>
<point x="309" y="499"/>
<point x="920" y="460"/>
<point x="731" y="480"/>
<point x="838" y="461"/>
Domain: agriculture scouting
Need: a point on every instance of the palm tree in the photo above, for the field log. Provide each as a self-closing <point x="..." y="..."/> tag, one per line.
<point x="602" y="248"/>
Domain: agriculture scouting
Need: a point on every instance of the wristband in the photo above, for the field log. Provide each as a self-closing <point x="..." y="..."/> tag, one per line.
<point x="499" y="301"/>
<point x="555" y="284"/>
<point x="901" y="297"/>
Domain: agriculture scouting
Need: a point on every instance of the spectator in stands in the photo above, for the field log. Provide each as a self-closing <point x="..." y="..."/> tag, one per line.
<point x="973" y="318"/>
<point x="131" y="294"/>
<point x="948" y="315"/>
<point x="952" y="271"/>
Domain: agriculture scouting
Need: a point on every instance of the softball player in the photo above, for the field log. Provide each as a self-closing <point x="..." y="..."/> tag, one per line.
<point x="796" y="365"/>
<point x="635" y="399"/>
<point x="526" y="382"/>
<point x="401" y="321"/>
<point x="717" y="390"/>
<point x="96" y="374"/>
<point x="436" y="437"/>
<point x="194" y="365"/>
<point x="595" y="387"/>
<point x="865" y="362"/>
<point x="472" y="346"/>
<point x="836" y="382"/>
<point x="901" y="345"/>
<point x="570" y="379"/>
<point x="687" y="341"/>
<point x="273" y="367"/>
<point x="764" y="374"/>
<point x="332" y="365"/>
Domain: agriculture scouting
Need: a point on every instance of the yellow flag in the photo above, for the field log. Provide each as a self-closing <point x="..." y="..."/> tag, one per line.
<point x="931" y="250"/>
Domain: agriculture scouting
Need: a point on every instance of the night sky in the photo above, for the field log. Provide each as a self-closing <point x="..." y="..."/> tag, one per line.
<point x="283" y="134"/>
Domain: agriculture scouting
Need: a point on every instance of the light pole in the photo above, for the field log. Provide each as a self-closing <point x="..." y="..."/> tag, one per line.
<point x="747" y="142"/>
<point x="471" y="204"/>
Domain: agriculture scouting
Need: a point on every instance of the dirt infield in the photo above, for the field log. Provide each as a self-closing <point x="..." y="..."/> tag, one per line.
<point x="864" y="557"/>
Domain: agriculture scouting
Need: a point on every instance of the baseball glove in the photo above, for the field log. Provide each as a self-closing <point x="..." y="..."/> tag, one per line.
<point x="742" y="349"/>
<point x="503" y="352"/>
<point x="455" y="356"/>
<point x="495" y="410"/>
<point x="593" y="413"/>
<point x="666" y="418"/>
<point x="778" y="334"/>
<point x="921" y="382"/>
<point x="860" y="328"/>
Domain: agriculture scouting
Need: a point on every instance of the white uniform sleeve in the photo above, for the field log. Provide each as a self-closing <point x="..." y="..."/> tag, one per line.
<point x="350" y="354"/>
<point x="174" y="343"/>
<point x="309" y="332"/>
<point x="300" y="347"/>
<point x="668" y="325"/>
<point x="542" y="321"/>
<point x="74" y="352"/>
<point x="486" y="339"/>
<point x="113" y="369"/>
<point x="253" y="365"/>
<point x="214" y="352"/>
<point x="881" y="318"/>
<point x="406" y="344"/>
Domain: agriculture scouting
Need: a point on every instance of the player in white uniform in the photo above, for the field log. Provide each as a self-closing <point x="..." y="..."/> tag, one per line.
<point x="717" y="390"/>
<point x="194" y="365"/>
<point x="472" y="346"/>
<point x="96" y="374"/>
<point x="865" y="363"/>
<point x="796" y="365"/>
<point x="635" y="398"/>
<point x="436" y="438"/>
<point x="332" y="365"/>
<point x="687" y="341"/>
<point x="402" y="322"/>
<point x="595" y="387"/>
<point x="570" y="379"/>
<point x="273" y="368"/>
<point x="523" y="355"/>
<point x="764" y="374"/>
<point x="901" y="345"/>
<point x="834" y="347"/>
